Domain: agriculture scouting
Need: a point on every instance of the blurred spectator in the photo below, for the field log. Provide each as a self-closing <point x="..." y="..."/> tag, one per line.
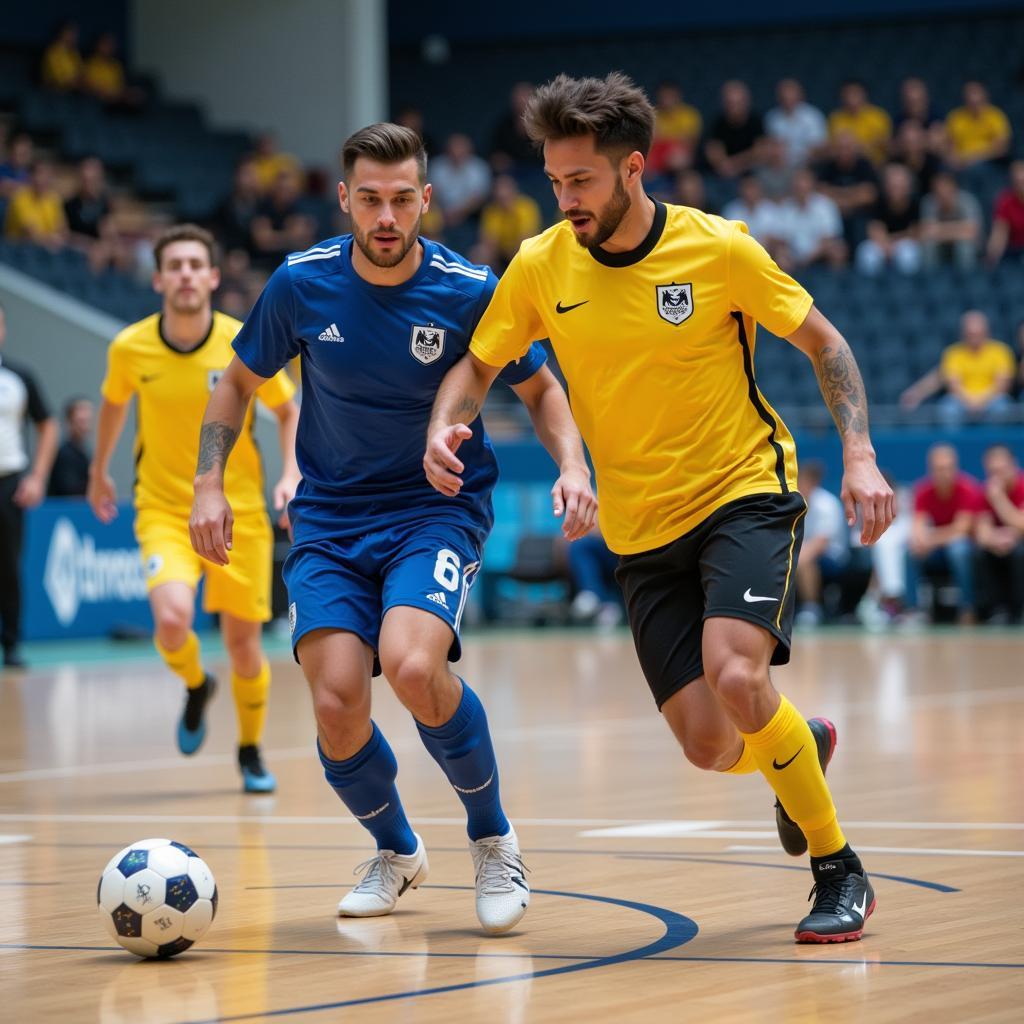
<point x="510" y="145"/>
<point x="893" y="227"/>
<point x="759" y="214"/>
<point x="869" y="124"/>
<point x="910" y="148"/>
<point x="36" y="210"/>
<point x="461" y="180"/>
<point x="234" y="301"/>
<point x="104" y="75"/>
<point x="916" y="109"/>
<point x="17" y="166"/>
<point x="884" y="602"/>
<point x="270" y="162"/>
<point x="800" y="127"/>
<point x="677" y="128"/>
<point x="811" y="225"/>
<point x="1006" y="240"/>
<point x="89" y="207"/>
<point x="282" y="225"/>
<point x="773" y="170"/>
<point x="22" y="485"/>
<point x="508" y="218"/>
<point x="70" y="474"/>
<point x="849" y="180"/>
<point x="825" y="552"/>
<point x="690" y="191"/>
<point x="734" y="133"/>
<point x="592" y="568"/>
<point x="233" y="220"/>
<point x="950" y="225"/>
<point x="976" y="372"/>
<point x="978" y="131"/>
<point x="412" y="117"/>
<point x="1000" y="538"/>
<point x="945" y="506"/>
<point x="62" y="63"/>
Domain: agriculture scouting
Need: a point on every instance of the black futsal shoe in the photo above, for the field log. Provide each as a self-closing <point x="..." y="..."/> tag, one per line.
<point x="794" y="842"/>
<point x="843" y="901"/>
<point x="255" y="777"/>
<point x="192" y="724"/>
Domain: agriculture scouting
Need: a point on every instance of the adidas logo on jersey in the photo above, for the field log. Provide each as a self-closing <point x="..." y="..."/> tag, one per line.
<point x="331" y="334"/>
<point x="438" y="598"/>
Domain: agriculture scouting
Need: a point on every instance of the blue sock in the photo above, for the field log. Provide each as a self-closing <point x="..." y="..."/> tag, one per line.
<point x="462" y="747"/>
<point x="366" y="784"/>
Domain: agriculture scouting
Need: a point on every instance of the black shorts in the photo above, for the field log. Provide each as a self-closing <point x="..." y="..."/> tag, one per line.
<point x="739" y="564"/>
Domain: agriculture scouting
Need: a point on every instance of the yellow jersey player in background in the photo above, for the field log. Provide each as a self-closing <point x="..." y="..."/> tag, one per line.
<point x="652" y="312"/>
<point x="171" y="361"/>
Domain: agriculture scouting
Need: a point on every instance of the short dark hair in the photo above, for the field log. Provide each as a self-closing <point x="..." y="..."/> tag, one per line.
<point x="72" y="402"/>
<point x="185" y="233"/>
<point x="999" y="446"/>
<point x="613" y="109"/>
<point x="387" y="143"/>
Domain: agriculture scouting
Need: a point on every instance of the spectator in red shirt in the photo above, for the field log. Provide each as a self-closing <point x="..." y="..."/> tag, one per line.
<point x="1006" y="240"/>
<point x="946" y="503"/>
<point x="1000" y="536"/>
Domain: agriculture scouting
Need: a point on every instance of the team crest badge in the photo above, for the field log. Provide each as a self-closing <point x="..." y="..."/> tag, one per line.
<point x="675" y="302"/>
<point x="427" y="343"/>
<point x="212" y="376"/>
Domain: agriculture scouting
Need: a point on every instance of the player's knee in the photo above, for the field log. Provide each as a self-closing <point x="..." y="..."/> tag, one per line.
<point x="411" y="675"/>
<point x="737" y="681"/>
<point x="338" y="708"/>
<point x="245" y="654"/>
<point x="172" y="623"/>
<point x="702" y="753"/>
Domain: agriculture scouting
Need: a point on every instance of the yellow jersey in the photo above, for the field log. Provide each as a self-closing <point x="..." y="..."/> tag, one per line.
<point x="173" y="388"/>
<point x="978" y="370"/>
<point x="657" y="348"/>
<point x="871" y="125"/>
<point x="972" y="134"/>
<point x="28" y="213"/>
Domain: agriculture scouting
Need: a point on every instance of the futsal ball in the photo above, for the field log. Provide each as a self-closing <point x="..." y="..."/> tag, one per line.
<point x="157" y="898"/>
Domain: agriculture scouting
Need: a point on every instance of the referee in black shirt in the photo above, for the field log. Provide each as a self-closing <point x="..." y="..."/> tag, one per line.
<point x="22" y="485"/>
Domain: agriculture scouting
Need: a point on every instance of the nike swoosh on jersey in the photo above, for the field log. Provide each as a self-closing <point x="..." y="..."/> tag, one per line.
<point x="559" y="308"/>
<point x="751" y="598"/>
<point x="147" y="377"/>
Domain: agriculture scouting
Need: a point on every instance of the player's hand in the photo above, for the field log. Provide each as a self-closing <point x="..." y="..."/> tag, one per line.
<point x="211" y="524"/>
<point x="439" y="461"/>
<point x="865" y="487"/>
<point x="29" y="491"/>
<point x="573" y="496"/>
<point x="101" y="493"/>
<point x="284" y="491"/>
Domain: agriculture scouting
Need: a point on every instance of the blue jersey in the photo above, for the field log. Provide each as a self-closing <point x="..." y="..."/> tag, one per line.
<point x="372" y="359"/>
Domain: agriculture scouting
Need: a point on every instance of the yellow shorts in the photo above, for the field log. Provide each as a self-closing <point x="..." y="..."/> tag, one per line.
<point x="241" y="588"/>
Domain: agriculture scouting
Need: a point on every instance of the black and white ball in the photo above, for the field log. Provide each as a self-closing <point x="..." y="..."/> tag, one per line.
<point x="156" y="898"/>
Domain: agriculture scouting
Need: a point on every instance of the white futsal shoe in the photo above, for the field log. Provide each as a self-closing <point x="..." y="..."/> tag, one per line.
<point x="387" y="876"/>
<point x="502" y="894"/>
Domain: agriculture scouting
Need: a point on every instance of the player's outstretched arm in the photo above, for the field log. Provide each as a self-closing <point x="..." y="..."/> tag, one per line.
<point x="101" y="492"/>
<point x="843" y="390"/>
<point x="211" y="522"/>
<point x="459" y="401"/>
<point x="552" y="420"/>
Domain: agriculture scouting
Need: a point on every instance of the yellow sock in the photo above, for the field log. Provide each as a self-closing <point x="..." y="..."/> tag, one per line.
<point x="799" y="783"/>
<point x="251" y="704"/>
<point x="745" y="763"/>
<point x="185" y="661"/>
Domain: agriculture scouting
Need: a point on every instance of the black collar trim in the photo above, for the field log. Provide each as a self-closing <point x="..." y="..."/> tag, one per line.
<point x="184" y="351"/>
<point x="645" y="248"/>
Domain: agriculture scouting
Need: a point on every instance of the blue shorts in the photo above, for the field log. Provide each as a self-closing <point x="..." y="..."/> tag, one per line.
<point x="350" y="582"/>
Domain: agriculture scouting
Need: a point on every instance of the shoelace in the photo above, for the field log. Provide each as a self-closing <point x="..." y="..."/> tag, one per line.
<point x="830" y="896"/>
<point x="494" y="871"/>
<point x="380" y="875"/>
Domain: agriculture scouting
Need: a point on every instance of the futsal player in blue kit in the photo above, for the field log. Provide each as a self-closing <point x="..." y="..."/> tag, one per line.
<point x="381" y="563"/>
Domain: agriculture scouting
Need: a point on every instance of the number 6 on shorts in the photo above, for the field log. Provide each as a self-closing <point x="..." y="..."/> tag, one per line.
<point x="446" y="569"/>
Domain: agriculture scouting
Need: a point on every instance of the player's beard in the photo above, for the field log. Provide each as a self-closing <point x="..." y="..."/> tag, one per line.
<point x="364" y="240"/>
<point x="188" y="305"/>
<point x="609" y="219"/>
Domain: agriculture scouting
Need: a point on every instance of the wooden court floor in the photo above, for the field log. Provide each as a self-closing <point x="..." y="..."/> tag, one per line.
<point x="660" y="893"/>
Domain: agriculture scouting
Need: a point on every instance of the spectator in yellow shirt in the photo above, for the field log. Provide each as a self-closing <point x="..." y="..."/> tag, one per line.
<point x="270" y="163"/>
<point x="507" y="219"/>
<point x="62" y="63"/>
<point x="978" y="131"/>
<point x="104" y="73"/>
<point x="975" y="371"/>
<point x="677" y="128"/>
<point x="36" y="211"/>
<point x="871" y="125"/>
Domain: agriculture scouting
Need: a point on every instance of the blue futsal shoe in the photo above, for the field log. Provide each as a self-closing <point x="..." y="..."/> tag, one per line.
<point x="192" y="724"/>
<point x="255" y="777"/>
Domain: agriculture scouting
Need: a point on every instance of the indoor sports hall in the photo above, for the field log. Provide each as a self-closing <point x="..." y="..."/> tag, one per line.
<point x="876" y="152"/>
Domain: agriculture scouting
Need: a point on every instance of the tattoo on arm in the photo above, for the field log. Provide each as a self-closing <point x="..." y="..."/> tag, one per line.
<point x="215" y="443"/>
<point x="842" y="388"/>
<point x="468" y="406"/>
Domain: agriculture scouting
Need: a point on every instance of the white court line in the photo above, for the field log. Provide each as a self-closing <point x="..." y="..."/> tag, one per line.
<point x="688" y="829"/>
<point x="896" y="849"/>
<point x="11" y="840"/>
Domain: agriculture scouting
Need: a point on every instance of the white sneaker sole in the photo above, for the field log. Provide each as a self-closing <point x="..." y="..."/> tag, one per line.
<point x="417" y="880"/>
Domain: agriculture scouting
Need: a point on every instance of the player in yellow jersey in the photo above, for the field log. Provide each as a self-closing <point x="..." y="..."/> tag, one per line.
<point x="652" y="310"/>
<point x="171" y="361"/>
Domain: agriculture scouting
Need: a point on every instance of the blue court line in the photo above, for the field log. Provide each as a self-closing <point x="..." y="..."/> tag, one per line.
<point x="678" y="931"/>
<point x="936" y="886"/>
<point x="819" y="960"/>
